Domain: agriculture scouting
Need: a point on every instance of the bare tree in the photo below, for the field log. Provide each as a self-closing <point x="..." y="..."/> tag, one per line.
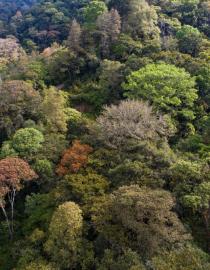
<point x="73" y="40"/>
<point x="130" y="120"/>
<point x="109" y="23"/>
<point x="114" y="25"/>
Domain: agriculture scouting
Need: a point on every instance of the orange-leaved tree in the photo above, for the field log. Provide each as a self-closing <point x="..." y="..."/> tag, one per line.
<point x="13" y="173"/>
<point x="74" y="158"/>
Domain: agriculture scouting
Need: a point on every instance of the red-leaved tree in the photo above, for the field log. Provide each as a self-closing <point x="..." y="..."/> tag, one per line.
<point x="74" y="158"/>
<point x="13" y="173"/>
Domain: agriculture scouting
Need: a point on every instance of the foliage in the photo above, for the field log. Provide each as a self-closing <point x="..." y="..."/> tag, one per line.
<point x="128" y="260"/>
<point x="92" y="11"/>
<point x="147" y="218"/>
<point x="13" y="172"/>
<point x="189" y="40"/>
<point x="168" y="88"/>
<point x="74" y="35"/>
<point x="27" y="141"/>
<point x="38" y="209"/>
<point x="142" y="20"/>
<point x="66" y="234"/>
<point x="74" y="158"/>
<point x="53" y="111"/>
<point x="185" y="258"/>
<point x="105" y="103"/>
<point x="39" y="265"/>
<point x="84" y="187"/>
<point x="130" y="120"/>
<point x="18" y="102"/>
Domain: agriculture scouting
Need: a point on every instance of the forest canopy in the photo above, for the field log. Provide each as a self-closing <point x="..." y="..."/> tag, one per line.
<point x="105" y="135"/>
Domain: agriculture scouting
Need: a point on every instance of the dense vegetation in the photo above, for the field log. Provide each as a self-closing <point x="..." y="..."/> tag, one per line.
<point x="105" y="134"/>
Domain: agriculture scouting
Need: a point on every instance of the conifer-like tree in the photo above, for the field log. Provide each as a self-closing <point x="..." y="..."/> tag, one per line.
<point x="73" y="40"/>
<point x="109" y="23"/>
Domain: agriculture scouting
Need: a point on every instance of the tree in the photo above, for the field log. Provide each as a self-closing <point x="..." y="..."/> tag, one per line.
<point x="84" y="187"/>
<point x="188" y="257"/>
<point x="110" y="74"/>
<point x="74" y="158"/>
<point x="39" y="209"/>
<point x="10" y="49"/>
<point x="3" y="192"/>
<point x="121" y="5"/>
<point x="7" y="150"/>
<point x="44" y="168"/>
<point x="13" y="173"/>
<point x="27" y="141"/>
<point x="144" y="163"/>
<point x="18" y="102"/>
<point x="73" y="40"/>
<point x="166" y="87"/>
<point x="53" y="112"/>
<point x="53" y="147"/>
<point x="128" y="260"/>
<point x="64" y="65"/>
<point x="199" y="201"/>
<point x="203" y="81"/>
<point x="109" y="24"/>
<point x="110" y="79"/>
<point x="46" y="23"/>
<point x="189" y="40"/>
<point x="142" y="20"/>
<point x="139" y="218"/>
<point x="39" y="265"/>
<point x="65" y="232"/>
<point x="184" y="174"/>
<point x="92" y="11"/>
<point x="115" y="25"/>
<point x="203" y="17"/>
<point x="132" y="120"/>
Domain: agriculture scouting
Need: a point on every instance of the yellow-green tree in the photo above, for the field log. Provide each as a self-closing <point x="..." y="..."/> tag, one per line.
<point x="65" y="232"/>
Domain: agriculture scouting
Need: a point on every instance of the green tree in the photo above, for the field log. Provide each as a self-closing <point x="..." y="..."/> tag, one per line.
<point x="110" y="79"/>
<point x="65" y="235"/>
<point x="54" y="145"/>
<point x="189" y="40"/>
<point x="183" y="175"/>
<point x="7" y="150"/>
<point x="129" y="260"/>
<point x="189" y="257"/>
<point x="199" y="201"/>
<point x="139" y="218"/>
<point x="53" y="111"/>
<point x="143" y="163"/>
<point x="92" y="11"/>
<point x="39" y="265"/>
<point x="84" y="187"/>
<point x="203" y="81"/>
<point x="166" y="87"/>
<point x="64" y="65"/>
<point x="39" y="209"/>
<point x="142" y="20"/>
<point x="44" y="169"/>
<point x="27" y="141"/>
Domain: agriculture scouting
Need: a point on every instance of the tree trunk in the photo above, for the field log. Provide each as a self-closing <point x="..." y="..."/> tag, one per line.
<point x="12" y="201"/>
<point x="7" y="220"/>
<point x="206" y="217"/>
